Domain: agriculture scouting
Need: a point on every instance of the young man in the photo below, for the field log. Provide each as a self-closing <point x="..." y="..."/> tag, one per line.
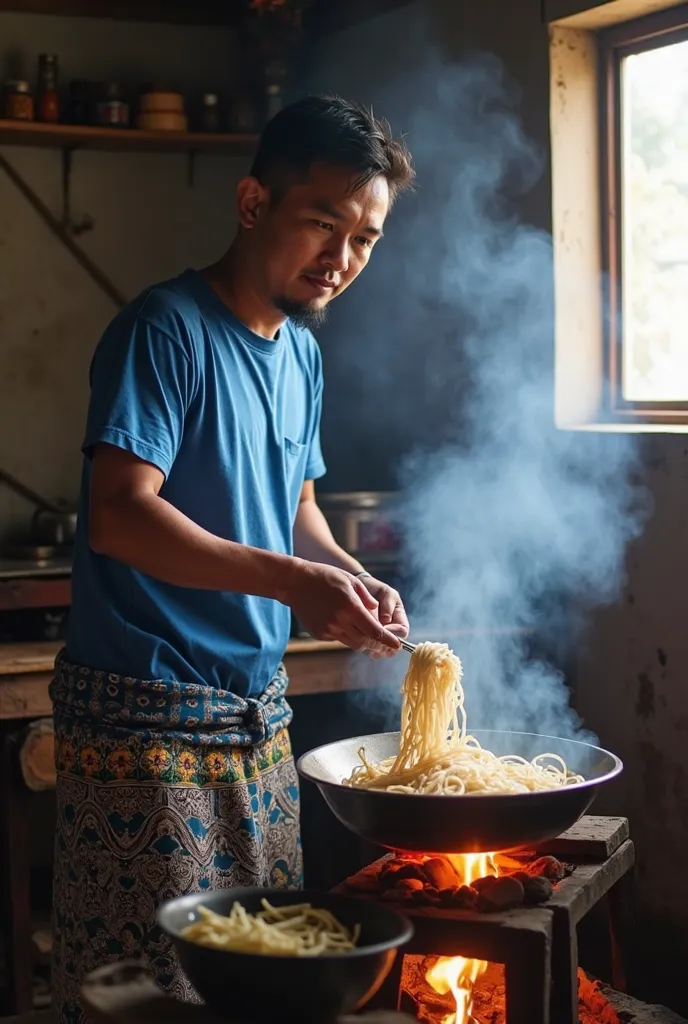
<point x="198" y="535"/>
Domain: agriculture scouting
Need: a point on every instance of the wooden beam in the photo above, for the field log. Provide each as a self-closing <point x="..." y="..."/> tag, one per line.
<point x="200" y="12"/>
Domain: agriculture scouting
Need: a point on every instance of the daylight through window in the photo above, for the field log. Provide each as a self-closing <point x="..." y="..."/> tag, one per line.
<point x="646" y="157"/>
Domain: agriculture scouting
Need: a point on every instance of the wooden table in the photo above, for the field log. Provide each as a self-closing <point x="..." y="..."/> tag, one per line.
<point x="314" y="666"/>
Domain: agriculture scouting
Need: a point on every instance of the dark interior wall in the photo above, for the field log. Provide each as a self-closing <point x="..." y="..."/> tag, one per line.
<point x="381" y="400"/>
<point x="384" y="341"/>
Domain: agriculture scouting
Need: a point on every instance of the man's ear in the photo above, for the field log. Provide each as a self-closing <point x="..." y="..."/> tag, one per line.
<point x="252" y="201"/>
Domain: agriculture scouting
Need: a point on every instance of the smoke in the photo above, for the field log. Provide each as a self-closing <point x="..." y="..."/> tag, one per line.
<point x="511" y="526"/>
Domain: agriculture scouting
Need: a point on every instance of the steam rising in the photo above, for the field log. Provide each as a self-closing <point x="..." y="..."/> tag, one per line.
<point x="449" y="351"/>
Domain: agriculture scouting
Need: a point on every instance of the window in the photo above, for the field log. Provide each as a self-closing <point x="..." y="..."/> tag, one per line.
<point x="644" y="152"/>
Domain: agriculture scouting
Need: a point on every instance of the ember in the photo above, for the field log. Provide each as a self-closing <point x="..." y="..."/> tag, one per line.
<point x="432" y="1004"/>
<point x="484" y="882"/>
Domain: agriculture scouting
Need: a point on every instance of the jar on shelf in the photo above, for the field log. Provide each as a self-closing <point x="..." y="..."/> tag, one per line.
<point x="113" y="112"/>
<point x="48" y="96"/>
<point x="209" y="120"/>
<point x="18" y="105"/>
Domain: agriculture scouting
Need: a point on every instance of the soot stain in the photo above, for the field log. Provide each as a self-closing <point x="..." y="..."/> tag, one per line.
<point x="645" y="704"/>
<point x="654" y="773"/>
<point x="661" y="657"/>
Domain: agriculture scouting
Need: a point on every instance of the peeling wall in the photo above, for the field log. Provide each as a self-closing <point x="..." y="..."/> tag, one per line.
<point x="631" y="680"/>
<point x="148" y="225"/>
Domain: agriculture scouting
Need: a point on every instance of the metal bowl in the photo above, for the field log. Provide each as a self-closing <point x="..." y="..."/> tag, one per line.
<point x="260" y="989"/>
<point x="459" y="824"/>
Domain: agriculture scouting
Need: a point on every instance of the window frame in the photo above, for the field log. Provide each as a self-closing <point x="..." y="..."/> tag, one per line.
<point x="616" y="43"/>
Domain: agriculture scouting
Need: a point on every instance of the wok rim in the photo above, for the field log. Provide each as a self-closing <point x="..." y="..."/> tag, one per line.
<point x="531" y="794"/>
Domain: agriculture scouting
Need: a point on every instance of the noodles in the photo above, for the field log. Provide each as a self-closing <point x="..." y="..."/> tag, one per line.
<point x="435" y="754"/>
<point x="294" y="930"/>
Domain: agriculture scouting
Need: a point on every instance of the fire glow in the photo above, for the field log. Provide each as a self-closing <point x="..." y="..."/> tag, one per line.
<point x="458" y="974"/>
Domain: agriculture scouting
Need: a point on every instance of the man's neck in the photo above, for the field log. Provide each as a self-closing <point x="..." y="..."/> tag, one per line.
<point x="233" y="285"/>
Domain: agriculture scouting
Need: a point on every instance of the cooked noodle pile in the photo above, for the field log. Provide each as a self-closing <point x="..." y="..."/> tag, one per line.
<point x="295" y="930"/>
<point x="435" y="754"/>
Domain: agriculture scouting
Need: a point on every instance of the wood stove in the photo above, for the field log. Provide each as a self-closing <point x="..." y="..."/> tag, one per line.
<point x="536" y="941"/>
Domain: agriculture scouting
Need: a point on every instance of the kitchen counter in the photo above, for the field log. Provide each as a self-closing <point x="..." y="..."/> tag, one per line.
<point x="314" y="666"/>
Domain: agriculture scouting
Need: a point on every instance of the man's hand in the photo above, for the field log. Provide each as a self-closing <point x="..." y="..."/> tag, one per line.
<point x="390" y="609"/>
<point x="334" y="605"/>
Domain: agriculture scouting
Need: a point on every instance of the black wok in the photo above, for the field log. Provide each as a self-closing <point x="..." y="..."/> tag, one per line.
<point x="459" y="824"/>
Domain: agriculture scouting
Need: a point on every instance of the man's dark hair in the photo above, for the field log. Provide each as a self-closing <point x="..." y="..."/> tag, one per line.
<point x="331" y="130"/>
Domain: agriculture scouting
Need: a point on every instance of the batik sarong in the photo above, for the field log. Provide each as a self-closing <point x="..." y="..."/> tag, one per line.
<point x="162" y="789"/>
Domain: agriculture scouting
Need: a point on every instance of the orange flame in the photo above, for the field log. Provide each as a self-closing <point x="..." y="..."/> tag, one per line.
<point x="472" y="866"/>
<point x="458" y="974"/>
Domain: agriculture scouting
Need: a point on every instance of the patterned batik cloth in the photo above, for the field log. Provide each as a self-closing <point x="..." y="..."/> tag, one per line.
<point x="162" y="789"/>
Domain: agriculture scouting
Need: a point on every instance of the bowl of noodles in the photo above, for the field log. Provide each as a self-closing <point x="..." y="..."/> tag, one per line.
<point x="258" y="955"/>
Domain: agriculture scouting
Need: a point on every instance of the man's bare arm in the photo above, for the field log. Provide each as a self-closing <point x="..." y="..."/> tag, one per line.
<point x="130" y="522"/>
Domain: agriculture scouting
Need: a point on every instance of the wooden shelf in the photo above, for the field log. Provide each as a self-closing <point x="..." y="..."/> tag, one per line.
<point x="198" y="12"/>
<point x="65" y="136"/>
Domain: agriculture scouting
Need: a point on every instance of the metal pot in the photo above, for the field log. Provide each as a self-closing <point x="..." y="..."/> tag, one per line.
<point x="55" y="528"/>
<point x="53" y="523"/>
<point x="363" y="522"/>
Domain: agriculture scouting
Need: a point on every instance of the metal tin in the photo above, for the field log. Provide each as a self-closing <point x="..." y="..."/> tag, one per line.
<point x="19" y="104"/>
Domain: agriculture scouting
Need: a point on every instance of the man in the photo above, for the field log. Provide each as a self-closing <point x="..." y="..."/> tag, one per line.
<point x="198" y="535"/>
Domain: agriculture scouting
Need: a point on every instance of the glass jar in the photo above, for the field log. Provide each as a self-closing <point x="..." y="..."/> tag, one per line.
<point x="113" y="112"/>
<point x="48" y="96"/>
<point x="18" y="104"/>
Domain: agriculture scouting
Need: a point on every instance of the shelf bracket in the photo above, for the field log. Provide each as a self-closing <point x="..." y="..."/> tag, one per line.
<point x="86" y="223"/>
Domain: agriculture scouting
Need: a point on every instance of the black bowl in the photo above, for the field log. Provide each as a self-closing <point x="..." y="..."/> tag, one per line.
<point x="256" y="989"/>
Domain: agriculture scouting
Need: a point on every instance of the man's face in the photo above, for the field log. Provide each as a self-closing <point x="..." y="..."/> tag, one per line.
<point x="311" y="244"/>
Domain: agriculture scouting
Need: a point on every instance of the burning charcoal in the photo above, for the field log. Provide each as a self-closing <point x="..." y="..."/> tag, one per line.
<point x="503" y="894"/>
<point x="483" y="883"/>
<point x="426" y="897"/>
<point x="412" y="869"/>
<point x="440" y="873"/>
<point x="464" y="898"/>
<point x="537" y="890"/>
<point x="409" y="885"/>
<point x="397" y="895"/>
<point x="549" y="867"/>
<point x="446" y="895"/>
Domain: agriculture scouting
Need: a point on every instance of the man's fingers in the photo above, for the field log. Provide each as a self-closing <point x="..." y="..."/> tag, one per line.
<point x="364" y="594"/>
<point x="389" y="599"/>
<point x="400" y="620"/>
<point x="361" y="621"/>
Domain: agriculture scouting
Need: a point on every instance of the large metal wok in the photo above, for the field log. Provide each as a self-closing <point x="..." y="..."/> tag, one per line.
<point x="458" y="824"/>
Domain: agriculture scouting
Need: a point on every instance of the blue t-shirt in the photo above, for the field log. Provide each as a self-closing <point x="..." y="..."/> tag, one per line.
<point x="233" y="421"/>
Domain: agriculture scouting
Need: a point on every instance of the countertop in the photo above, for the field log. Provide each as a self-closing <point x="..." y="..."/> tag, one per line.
<point x="19" y="658"/>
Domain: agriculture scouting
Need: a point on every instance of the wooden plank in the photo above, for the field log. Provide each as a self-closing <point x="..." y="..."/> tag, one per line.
<point x="200" y="12"/>
<point x="65" y="136"/>
<point x="24" y="691"/>
<point x="594" y="836"/>
<point x="34" y="593"/>
<point x="39" y="656"/>
<point x="587" y="885"/>
<point x="25" y="696"/>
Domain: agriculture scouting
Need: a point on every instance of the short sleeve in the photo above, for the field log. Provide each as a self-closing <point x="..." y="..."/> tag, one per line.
<point x="141" y="387"/>
<point x="315" y="463"/>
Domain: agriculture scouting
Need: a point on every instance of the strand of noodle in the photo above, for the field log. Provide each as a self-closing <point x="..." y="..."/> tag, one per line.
<point x="435" y="753"/>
